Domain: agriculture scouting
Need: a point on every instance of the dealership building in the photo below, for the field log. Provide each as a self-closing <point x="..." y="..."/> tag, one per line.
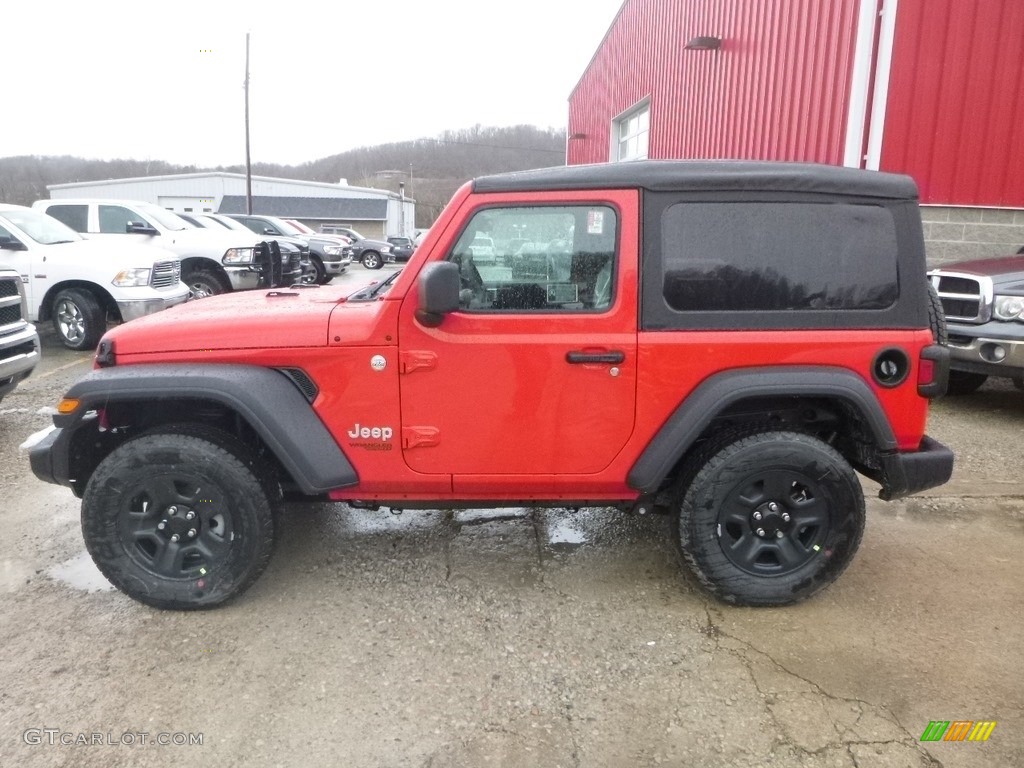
<point x="373" y="212"/>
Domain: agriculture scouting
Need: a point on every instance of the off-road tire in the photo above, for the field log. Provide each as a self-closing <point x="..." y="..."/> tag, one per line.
<point x="160" y="478"/>
<point x="964" y="382"/>
<point x="78" y="318"/>
<point x="372" y="260"/>
<point x="205" y="282"/>
<point x="937" y="317"/>
<point x="738" y="475"/>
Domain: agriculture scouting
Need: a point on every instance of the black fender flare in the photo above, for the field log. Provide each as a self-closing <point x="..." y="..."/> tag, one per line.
<point x="715" y="394"/>
<point x="264" y="397"/>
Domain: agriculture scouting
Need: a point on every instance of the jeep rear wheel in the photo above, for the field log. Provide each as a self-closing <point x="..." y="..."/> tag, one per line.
<point x="78" y="318"/>
<point x="769" y="518"/>
<point x="372" y="260"/>
<point x="178" y="520"/>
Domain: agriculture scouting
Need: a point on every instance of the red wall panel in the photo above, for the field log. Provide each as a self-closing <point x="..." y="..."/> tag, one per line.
<point x="955" y="115"/>
<point x="777" y="89"/>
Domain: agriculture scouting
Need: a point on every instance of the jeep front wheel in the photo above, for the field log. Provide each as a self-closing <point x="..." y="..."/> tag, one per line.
<point x="78" y="318"/>
<point x="177" y="520"/>
<point x="769" y="518"/>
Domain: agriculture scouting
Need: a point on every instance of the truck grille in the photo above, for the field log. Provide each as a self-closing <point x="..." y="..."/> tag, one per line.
<point x="166" y="274"/>
<point x="10" y="315"/>
<point x="10" y="301"/>
<point x="964" y="298"/>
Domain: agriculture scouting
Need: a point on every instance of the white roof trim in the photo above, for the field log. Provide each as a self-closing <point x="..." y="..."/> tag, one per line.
<point x="219" y="175"/>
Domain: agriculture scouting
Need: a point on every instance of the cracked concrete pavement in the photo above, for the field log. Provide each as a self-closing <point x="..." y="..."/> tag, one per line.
<point x="524" y="637"/>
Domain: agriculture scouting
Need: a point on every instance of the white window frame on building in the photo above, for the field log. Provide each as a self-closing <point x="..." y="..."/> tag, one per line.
<point x="630" y="132"/>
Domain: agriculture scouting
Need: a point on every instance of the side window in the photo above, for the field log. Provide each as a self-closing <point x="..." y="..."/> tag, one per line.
<point x="74" y="216"/>
<point x="6" y="237"/>
<point x="252" y="224"/>
<point x="631" y="134"/>
<point x="728" y="257"/>
<point x="538" y="259"/>
<point x="114" y="219"/>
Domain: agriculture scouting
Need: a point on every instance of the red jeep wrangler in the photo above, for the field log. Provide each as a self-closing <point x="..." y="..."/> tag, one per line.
<point x="728" y="340"/>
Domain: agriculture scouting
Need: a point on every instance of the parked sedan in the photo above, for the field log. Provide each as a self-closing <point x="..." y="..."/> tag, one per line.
<point x="402" y="247"/>
<point x="372" y="254"/>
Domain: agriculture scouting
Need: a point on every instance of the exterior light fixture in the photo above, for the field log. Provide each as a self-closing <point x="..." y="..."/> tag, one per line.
<point x="704" y="43"/>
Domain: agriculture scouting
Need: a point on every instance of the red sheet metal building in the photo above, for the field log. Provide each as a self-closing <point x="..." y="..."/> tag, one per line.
<point x="931" y="88"/>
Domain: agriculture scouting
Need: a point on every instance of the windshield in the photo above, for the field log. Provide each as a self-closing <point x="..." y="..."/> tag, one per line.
<point x="228" y="223"/>
<point x="301" y="227"/>
<point x="44" y="229"/>
<point x="165" y="218"/>
<point x="284" y="227"/>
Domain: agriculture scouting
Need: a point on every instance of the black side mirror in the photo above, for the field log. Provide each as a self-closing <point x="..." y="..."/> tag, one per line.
<point x="139" y="228"/>
<point x="270" y="231"/>
<point x="10" y="244"/>
<point x="439" y="292"/>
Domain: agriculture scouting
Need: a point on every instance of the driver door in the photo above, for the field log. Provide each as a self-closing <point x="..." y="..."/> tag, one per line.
<point x="535" y="374"/>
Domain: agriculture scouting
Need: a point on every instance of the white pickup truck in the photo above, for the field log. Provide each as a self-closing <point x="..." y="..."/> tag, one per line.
<point x="212" y="262"/>
<point x="19" y="342"/>
<point x="78" y="284"/>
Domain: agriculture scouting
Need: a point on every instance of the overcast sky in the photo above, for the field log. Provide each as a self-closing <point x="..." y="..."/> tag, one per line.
<point x="163" y="81"/>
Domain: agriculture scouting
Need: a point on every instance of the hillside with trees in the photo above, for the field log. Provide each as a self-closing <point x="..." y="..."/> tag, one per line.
<point x="430" y="168"/>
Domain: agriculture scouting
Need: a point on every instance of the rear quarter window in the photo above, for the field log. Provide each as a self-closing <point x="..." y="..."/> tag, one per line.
<point x="74" y="216"/>
<point x="778" y="257"/>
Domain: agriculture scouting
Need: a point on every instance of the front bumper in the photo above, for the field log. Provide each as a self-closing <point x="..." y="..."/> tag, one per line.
<point x="992" y="349"/>
<point x="48" y="458"/>
<point x="243" y="278"/>
<point x="19" y="354"/>
<point x="904" y="474"/>
<point x="135" y="308"/>
<point x="338" y="266"/>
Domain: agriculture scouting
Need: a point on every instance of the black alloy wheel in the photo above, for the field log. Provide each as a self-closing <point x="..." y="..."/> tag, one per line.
<point x="179" y="520"/>
<point x="769" y="518"/>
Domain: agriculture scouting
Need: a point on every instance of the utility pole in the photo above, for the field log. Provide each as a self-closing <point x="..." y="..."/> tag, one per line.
<point x="248" y="158"/>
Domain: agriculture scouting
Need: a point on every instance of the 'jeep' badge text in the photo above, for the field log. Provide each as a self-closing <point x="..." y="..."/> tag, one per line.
<point x="378" y="437"/>
<point x="381" y="433"/>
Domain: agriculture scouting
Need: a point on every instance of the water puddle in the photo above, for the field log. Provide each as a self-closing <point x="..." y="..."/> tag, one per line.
<point x="80" y="573"/>
<point x="564" y="534"/>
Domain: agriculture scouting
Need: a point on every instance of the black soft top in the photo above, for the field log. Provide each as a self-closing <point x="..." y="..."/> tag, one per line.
<point x="706" y="176"/>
